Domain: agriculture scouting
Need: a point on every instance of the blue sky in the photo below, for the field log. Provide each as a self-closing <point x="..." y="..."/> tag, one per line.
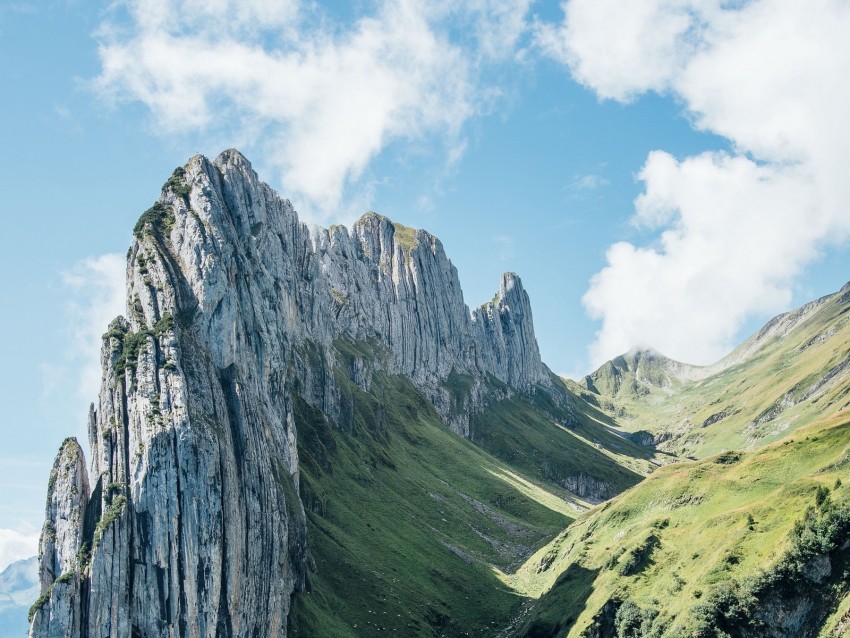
<point x="668" y="174"/>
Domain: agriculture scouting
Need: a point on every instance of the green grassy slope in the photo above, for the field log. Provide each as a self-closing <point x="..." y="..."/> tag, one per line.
<point x="416" y="531"/>
<point x="734" y="543"/>
<point x="410" y="525"/>
<point x="793" y="372"/>
<point x="525" y="432"/>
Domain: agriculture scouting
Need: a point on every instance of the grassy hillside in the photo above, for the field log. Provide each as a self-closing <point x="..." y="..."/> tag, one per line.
<point x="795" y="371"/>
<point x="410" y="524"/>
<point x="739" y="544"/>
<point x="575" y="449"/>
<point x="416" y="531"/>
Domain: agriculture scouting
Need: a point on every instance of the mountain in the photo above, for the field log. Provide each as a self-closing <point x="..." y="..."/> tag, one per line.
<point x="790" y="373"/>
<point x="305" y="431"/>
<point x="18" y="588"/>
<point x="753" y="540"/>
<point x="639" y="373"/>
<point x="737" y="545"/>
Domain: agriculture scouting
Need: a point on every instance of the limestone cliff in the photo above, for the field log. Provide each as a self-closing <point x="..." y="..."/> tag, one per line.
<point x="189" y="522"/>
<point x="62" y="538"/>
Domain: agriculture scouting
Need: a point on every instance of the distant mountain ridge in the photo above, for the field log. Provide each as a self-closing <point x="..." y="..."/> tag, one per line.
<point x="637" y="372"/>
<point x="751" y="541"/>
<point x="792" y="371"/>
<point x="18" y="589"/>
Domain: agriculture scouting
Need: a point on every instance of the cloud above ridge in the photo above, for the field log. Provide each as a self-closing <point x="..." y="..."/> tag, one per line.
<point x="728" y="234"/>
<point x="322" y="98"/>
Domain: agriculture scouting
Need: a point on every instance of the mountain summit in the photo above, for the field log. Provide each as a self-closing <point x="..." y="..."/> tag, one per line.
<point x="246" y="330"/>
<point x="637" y="373"/>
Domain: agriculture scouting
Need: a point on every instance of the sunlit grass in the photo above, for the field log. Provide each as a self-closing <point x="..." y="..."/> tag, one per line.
<point x="723" y="519"/>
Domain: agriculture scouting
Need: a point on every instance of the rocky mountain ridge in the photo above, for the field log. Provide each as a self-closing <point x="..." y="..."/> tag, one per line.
<point x="638" y="372"/>
<point x="189" y="520"/>
<point x="793" y="370"/>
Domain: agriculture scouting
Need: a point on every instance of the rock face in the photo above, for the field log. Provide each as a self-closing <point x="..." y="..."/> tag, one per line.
<point x="589" y="487"/>
<point x="67" y="497"/>
<point x="62" y="538"/>
<point x="193" y="525"/>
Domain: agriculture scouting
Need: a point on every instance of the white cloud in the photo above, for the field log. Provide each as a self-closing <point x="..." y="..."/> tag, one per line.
<point x="497" y="25"/>
<point x="96" y="296"/>
<point x="729" y="233"/>
<point x="15" y="545"/>
<point x="622" y="49"/>
<point x="325" y="98"/>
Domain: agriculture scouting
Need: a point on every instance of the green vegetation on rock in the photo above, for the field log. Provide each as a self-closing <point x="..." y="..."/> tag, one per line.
<point x="158" y="218"/>
<point x="115" y="509"/>
<point x="404" y="236"/>
<point x="132" y="343"/>
<point x="177" y="184"/>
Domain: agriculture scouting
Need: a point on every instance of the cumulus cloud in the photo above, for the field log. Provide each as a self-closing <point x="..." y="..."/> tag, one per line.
<point x="96" y="296"/>
<point x="15" y="545"/>
<point x="728" y="233"/>
<point x="325" y="98"/>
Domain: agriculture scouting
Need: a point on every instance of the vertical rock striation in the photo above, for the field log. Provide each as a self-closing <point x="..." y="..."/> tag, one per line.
<point x="56" y="614"/>
<point x="193" y="525"/>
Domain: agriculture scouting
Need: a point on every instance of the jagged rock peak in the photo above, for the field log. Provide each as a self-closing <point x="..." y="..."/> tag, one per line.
<point x="511" y="290"/>
<point x="62" y="548"/>
<point x="633" y="359"/>
<point x="380" y="279"/>
<point x="233" y="157"/>
<point x="394" y="236"/>
<point x="405" y="237"/>
<point x="67" y="494"/>
<point x="236" y="310"/>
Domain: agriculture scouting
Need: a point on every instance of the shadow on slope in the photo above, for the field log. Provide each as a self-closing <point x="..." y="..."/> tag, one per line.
<point x="577" y="453"/>
<point x="410" y="524"/>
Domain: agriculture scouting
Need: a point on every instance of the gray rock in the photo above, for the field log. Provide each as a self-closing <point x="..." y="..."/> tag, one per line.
<point x="589" y="487"/>
<point x="57" y="613"/>
<point x="194" y="520"/>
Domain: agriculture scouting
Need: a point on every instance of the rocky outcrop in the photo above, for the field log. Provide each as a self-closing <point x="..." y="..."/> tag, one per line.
<point x="589" y="487"/>
<point x="67" y="496"/>
<point x="61" y="547"/>
<point x="193" y="525"/>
